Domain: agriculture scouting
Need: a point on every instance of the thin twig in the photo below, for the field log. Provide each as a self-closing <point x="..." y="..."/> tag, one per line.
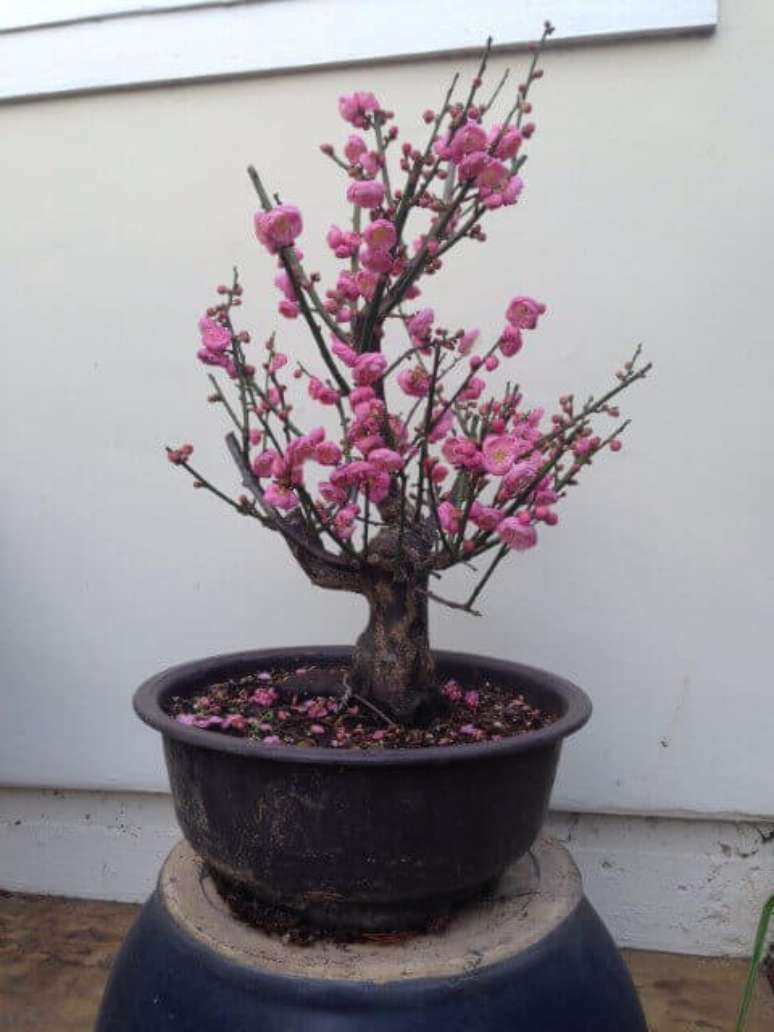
<point x="463" y="606"/>
<point x="374" y="709"/>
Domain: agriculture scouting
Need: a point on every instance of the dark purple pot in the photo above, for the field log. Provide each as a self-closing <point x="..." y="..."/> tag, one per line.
<point x="367" y="840"/>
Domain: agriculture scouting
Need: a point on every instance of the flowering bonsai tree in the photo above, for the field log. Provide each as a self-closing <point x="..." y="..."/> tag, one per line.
<point x="423" y="459"/>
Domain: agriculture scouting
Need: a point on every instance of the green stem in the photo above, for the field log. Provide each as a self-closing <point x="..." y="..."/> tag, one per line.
<point x="755" y="962"/>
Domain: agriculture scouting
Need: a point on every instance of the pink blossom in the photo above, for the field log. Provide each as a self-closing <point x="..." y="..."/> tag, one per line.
<point x="290" y="309"/>
<point x="380" y="235"/>
<point x="344" y="352"/>
<point x="371" y="163"/>
<point x="472" y="165"/>
<point x="322" y="392"/>
<point x="472" y="699"/>
<point x="328" y="453"/>
<point x="278" y="227"/>
<point x="452" y="691"/>
<point x="344" y="521"/>
<point x="449" y="517"/>
<point x="356" y="108"/>
<point x="347" y="286"/>
<point x="368" y="368"/>
<point x="354" y="148"/>
<point x="215" y="337"/>
<point x="352" y="473"/>
<point x="343" y="244"/>
<point x="472" y="731"/>
<point x="462" y="452"/>
<point x="472" y="391"/>
<point x="510" y="341"/>
<point x="213" y="721"/>
<point x="399" y="432"/>
<point x="441" y="423"/>
<point x="270" y="740"/>
<point x="377" y="486"/>
<point x="285" y="284"/>
<point x="545" y="494"/>
<point x="262" y="464"/>
<point x="366" y="193"/>
<point x="264" y="696"/>
<point x="523" y="312"/>
<point x="513" y="533"/>
<point x="361" y="395"/>
<point x="414" y="381"/>
<point x="376" y="261"/>
<point x="178" y="456"/>
<point x="365" y="442"/>
<point x="366" y="476"/>
<point x="235" y="721"/>
<point x="469" y="138"/>
<point x="509" y="195"/>
<point x="385" y="459"/>
<point x="439" y="473"/>
<point x="468" y="342"/>
<point x="506" y="142"/>
<point x="332" y="493"/>
<point x="213" y="358"/>
<point x="519" y="476"/>
<point x="277" y="361"/>
<point x="366" y="282"/>
<point x="485" y="517"/>
<point x="420" y="324"/>
<point x="499" y="454"/>
<point x="281" y="497"/>
<point x="186" y="718"/>
<point x="369" y="412"/>
<point x="496" y="186"/>
<point x="493" y="177"/>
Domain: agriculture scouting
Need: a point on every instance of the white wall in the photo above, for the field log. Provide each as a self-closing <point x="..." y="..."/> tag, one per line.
<point x="677" y="885"/>
<point x="647" y="216"/>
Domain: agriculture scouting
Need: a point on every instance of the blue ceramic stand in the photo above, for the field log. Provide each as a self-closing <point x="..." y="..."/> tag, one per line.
<point x="535" y="957"/>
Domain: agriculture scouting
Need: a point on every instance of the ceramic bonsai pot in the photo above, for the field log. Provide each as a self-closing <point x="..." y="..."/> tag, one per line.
<point x="360" y="839"/>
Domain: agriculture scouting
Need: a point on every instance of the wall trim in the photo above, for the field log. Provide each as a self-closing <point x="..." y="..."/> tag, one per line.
<point x="112" y="44"/>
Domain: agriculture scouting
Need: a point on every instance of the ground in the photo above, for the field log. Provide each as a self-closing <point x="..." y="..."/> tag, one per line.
<point x="55" y="955"/>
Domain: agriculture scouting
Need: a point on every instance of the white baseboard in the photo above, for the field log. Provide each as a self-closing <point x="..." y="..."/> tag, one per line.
<point x="685" y="886"/>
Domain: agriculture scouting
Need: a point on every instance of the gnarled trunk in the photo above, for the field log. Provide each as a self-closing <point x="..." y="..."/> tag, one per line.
<point x="392" y="663"/>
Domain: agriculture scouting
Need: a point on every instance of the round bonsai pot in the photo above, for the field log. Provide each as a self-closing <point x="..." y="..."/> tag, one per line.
<point x="356" y="839"/>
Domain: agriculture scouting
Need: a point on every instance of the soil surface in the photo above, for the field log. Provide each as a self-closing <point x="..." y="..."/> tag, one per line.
<point x="315" y="706"/>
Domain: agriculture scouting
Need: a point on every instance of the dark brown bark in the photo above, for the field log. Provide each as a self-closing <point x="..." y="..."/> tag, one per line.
<point x="392" y="664"/>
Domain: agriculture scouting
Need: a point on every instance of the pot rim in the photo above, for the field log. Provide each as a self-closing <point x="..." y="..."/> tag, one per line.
<point x="149" y="696"/>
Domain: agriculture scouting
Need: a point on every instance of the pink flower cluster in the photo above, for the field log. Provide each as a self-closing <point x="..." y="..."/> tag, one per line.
<point x="480" y="157"/>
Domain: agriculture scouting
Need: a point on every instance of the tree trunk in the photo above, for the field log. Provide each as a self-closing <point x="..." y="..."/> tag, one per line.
<point x="392" y="664"/>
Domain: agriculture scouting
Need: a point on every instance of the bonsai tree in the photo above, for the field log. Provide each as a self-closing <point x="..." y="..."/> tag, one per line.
<point x="426" y="460"/>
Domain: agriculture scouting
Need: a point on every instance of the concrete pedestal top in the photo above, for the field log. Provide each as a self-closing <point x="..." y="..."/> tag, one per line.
<point x="534" y="897"/>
